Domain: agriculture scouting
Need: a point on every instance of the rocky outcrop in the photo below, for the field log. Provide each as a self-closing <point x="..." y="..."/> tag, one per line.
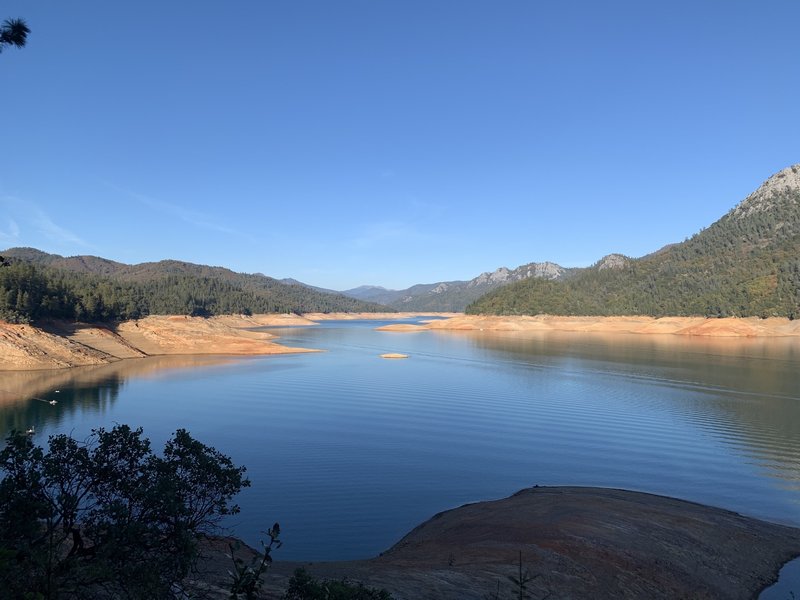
<point x="544" y="270"/>
<point x="575" y="542"/>
<point x="612" y="261"/>
<point x="782" y="186"/>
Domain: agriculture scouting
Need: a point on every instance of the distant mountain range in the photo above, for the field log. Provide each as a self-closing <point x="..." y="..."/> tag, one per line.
<point x="454" y="296"/>
<point x="745" y="264"/>
<point x="36" y="285"/>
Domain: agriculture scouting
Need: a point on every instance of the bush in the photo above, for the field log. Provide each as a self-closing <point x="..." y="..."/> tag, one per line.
<point x="303" y="586"/>
<point x="106" y="517"/>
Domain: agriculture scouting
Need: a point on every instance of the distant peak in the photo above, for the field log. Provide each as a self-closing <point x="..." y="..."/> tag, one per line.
<point x="763" y="198"/>
<point x="503" y="275"/>
<point x="612" y="261"/>
<point x="788" y="178"/>
<point x="367" y="288"/>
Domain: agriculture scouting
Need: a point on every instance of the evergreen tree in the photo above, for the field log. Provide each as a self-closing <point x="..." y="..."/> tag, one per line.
<point x="13" y="32"/>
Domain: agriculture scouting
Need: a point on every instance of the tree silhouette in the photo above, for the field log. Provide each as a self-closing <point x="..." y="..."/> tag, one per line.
<point x="13" y="32"/>
<point x="108" y="518"/>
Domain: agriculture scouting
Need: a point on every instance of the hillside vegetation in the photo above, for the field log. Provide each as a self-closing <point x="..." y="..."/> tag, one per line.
<point x="36" y="285"/>
<point x="745" y="264"/>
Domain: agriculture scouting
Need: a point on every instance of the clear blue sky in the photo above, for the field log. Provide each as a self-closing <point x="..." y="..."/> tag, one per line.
<point x="389" y="142"/>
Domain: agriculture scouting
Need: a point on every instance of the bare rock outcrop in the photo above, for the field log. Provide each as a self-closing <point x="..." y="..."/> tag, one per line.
<point x="575" y="542"/>
<point x="772" y="191"/>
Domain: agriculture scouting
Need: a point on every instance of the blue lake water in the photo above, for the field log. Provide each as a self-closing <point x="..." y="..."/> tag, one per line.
<point x="349" y="451"/>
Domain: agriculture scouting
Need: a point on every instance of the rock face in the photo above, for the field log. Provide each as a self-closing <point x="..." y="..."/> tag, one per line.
<point x="612" y="261"/>
<point x="766" y="197"/>
<point x="543" y="270"/>
<point x="501" y="275"/>
<point x="576" y="543"/>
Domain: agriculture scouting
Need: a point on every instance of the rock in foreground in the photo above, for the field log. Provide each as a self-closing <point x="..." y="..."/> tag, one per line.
<point x="578" y="543"/>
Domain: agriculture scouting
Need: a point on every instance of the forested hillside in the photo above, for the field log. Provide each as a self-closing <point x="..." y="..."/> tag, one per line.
<point x="745" y="264"/>
<point x="36" y="285"/>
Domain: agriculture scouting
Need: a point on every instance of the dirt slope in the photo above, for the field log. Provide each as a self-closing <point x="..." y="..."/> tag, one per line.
<point x="57" y="345"/>
<point x="696" y="326"/>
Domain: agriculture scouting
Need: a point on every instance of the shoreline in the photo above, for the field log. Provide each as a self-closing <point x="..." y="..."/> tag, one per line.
<point x="55" y="345"/>
<point x="729" y="327"/>
<point x="60" y="345"/>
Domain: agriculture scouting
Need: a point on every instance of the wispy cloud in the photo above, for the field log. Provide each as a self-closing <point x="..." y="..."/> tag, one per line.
<point x="11" y="234"/>
<point x="53" y="231"/>
<point x="187" y="215"/>
<point x="31" y="215"/>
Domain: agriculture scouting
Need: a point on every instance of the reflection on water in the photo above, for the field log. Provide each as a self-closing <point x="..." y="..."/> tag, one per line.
<point x="56" y="406"/>
<point x="729" y="363"/>
<point x="750" y="387"/>
<point x="43" y="399"/>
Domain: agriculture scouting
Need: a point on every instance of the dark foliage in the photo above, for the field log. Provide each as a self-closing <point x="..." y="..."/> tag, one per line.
<point x="107" y="517"/>
<point x="35" y="285"/>
<point x="246" y="579"/>
<point x="303" y="586"/>
<point x="13" y="32"/>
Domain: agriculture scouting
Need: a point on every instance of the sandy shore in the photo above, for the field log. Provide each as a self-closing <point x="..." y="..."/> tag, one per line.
<point x="693" y="326"/>
<point x="577" y="542"/>
<point x="57" y="345"/>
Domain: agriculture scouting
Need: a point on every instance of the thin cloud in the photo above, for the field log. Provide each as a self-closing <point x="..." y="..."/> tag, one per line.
<point x="192" y="217"/>
<point x="29" y="213"/>
<point x="55" y="232"/>
<point x="11" y="235"/>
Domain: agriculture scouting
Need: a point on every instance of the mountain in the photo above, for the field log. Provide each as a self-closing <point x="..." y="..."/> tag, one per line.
<point x="373" y="293"/>
<point x="290" y="281"/>
<point x="80" y="264"/>
<point x="745" y="264"/>
<point x="454" y="296"/>
<point x="35" y="284"/>
<point x="404" y="299"/>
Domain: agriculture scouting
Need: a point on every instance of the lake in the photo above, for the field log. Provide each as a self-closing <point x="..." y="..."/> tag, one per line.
<point x="349" y="451"/>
